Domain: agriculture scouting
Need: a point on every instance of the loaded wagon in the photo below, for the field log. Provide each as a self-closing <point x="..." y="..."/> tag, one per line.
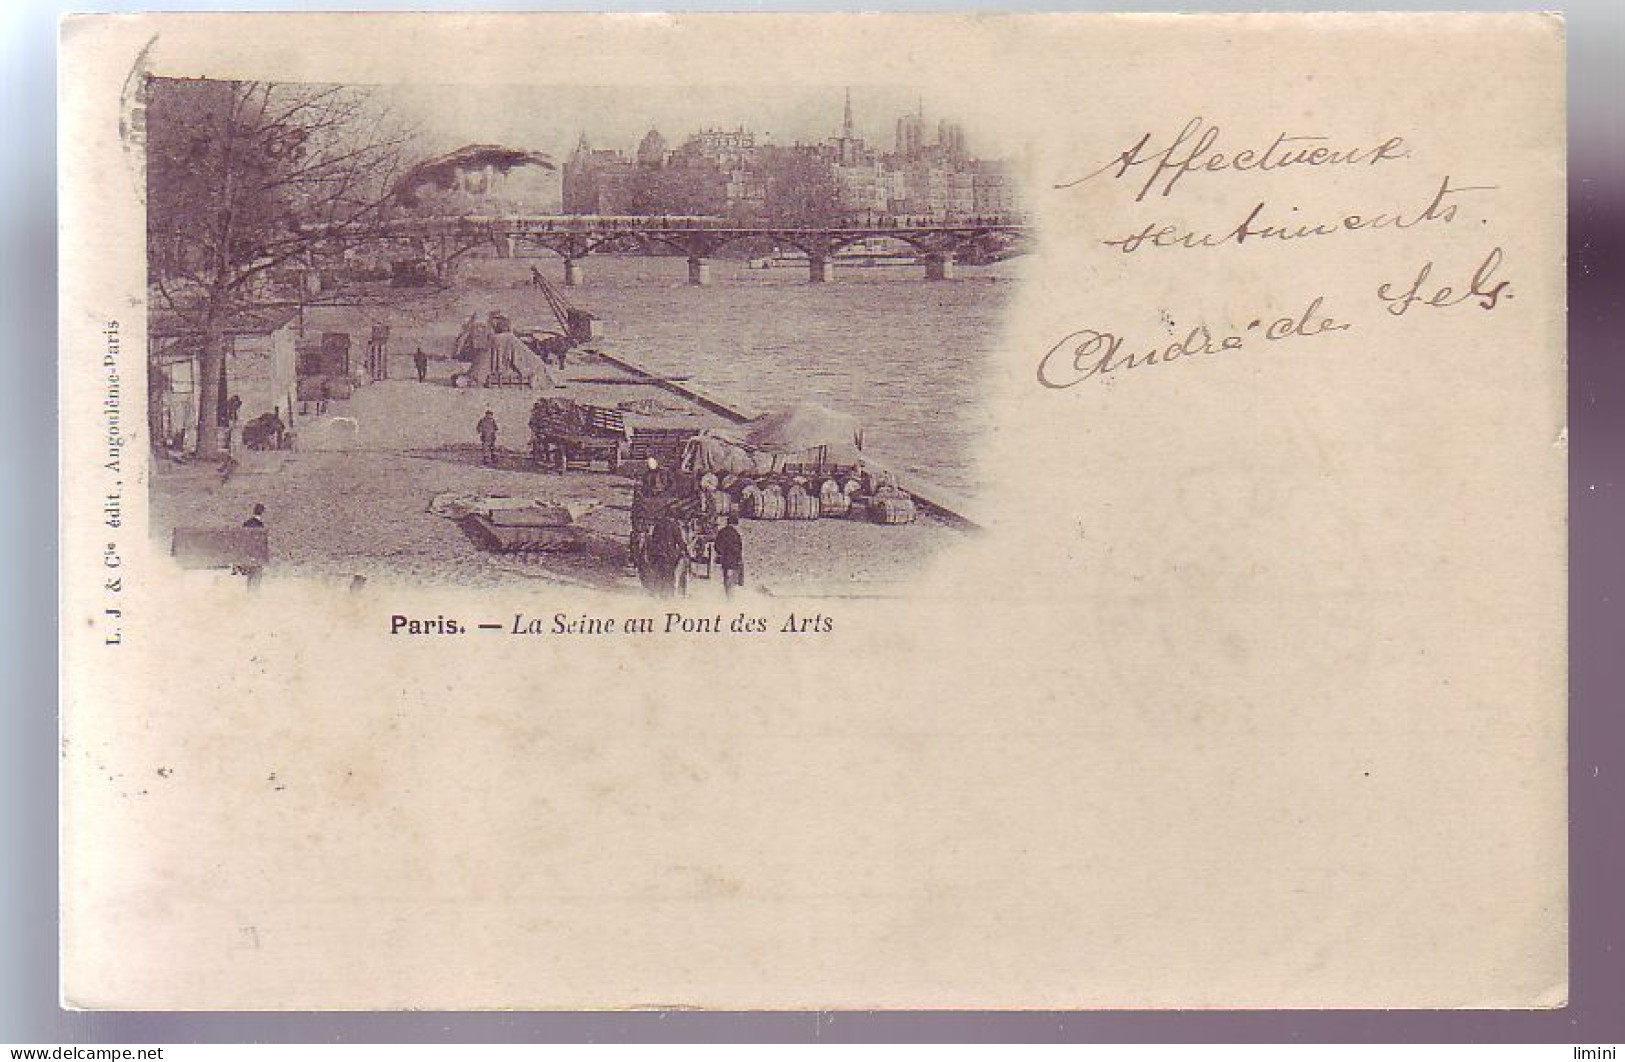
<point x="573" y="436"/>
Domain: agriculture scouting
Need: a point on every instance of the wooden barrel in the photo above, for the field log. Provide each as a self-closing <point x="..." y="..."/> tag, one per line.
<point x="799" y="505"/>
<point x="832" y="500"/>
<point x="717" y="503"/>
<point x="765" y="504"/>
<point x="891" y="509"/>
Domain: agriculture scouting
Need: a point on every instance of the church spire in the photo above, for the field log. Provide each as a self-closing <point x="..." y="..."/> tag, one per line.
<point x="846" y="124"/>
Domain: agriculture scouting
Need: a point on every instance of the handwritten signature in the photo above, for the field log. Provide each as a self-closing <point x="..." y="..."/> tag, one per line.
<point x="1093" y="354"/>
<point x="1481" y="286"/>
<point x="1195" y="150"/>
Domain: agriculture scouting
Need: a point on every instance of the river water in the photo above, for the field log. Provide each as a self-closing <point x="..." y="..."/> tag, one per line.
<point x="909" y="357"/>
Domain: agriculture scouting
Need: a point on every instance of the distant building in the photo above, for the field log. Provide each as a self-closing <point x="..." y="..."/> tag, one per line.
<point x="744" y="191"/>
<point x="995" y="190"/>
<point x="728" y="172"/>
<point x="910" y="135"/>
<point x="723" y="148"/>
<point x="652" y="150"/>
<point x="599" y="182"/>
<point x="865" y="188"/>
<point x="849" y="148"/>
<point x="718" y="171"/>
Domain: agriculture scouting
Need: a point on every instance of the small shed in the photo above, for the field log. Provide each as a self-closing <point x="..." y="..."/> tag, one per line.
<point x="260" y="369"/>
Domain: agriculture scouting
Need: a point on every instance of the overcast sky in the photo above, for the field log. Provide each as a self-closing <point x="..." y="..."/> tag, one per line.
<point x="540" y="118"/>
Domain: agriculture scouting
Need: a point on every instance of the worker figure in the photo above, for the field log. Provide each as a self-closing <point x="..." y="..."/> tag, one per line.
<point x="420" y="361"/>
<point x="656" y="481"/>
<point x="545" y="452"/>
<point x="487" y="431"/>
<point x="730" y="554"/>
<point x="666" y="554"/>
<point x="644" y="512"/>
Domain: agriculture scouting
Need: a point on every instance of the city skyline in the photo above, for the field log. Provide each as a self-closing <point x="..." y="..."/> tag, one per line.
<point x="449" y="117"/>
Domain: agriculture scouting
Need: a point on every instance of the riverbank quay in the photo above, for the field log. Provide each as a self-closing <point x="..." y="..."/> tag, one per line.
<point x="352" y="497"/>
<point x="907" y="357"/>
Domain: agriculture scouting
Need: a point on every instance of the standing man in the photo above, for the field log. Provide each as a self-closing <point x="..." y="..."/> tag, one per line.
<point x="487" y="429"/>
<point x="668" y="555"/>
<point x="258" y="519"/>
<point x="655" y="481"/>
<point x="730" y="554"/>
<point x="420" y="361"/>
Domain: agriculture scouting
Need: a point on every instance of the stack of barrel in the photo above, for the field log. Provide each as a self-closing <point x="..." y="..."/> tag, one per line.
<point x="803" y="499"/>
<point x="799" y="505"/>
<point x="714" y="501"/>
<point x="889" y="505"/>
<point x="765" y="502"/>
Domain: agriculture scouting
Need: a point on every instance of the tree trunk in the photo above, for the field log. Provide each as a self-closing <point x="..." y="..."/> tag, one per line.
<point x="211" y="365"/>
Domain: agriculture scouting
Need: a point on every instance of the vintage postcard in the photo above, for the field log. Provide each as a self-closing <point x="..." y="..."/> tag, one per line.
<point x="813" y="511"/>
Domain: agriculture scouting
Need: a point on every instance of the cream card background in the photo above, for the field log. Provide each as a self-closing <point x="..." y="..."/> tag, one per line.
<point x="1252" y="694"/>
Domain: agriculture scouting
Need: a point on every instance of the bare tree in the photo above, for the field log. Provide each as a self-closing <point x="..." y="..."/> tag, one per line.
<point x="244" y="178"/>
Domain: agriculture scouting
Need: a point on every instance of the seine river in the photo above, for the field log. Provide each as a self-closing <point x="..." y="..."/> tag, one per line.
<point x="907" y="356"/>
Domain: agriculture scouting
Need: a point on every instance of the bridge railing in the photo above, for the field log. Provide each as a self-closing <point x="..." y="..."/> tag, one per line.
<point x="597" y="224"/>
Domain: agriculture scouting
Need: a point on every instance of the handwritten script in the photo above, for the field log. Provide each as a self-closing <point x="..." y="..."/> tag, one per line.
<point x="1161" y="167"/>
<point x="1195" y="150"/>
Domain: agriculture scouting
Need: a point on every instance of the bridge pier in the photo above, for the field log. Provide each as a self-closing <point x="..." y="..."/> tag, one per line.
<point x="572" y="273"/>
<point x="940" y="267"/>
<point x="820" y="270"/>
<point x="699" y="272"/>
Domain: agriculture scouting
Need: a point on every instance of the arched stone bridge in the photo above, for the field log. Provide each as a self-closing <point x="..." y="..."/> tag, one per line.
<point x="940" y="243"/>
